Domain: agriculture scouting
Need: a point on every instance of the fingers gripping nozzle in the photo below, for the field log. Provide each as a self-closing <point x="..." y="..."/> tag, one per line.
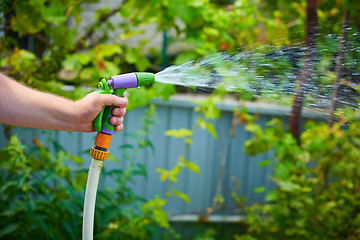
<point x="116" y="85"/>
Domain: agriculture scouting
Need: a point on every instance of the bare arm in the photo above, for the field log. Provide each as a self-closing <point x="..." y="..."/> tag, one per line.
<point x="25" y="107"/>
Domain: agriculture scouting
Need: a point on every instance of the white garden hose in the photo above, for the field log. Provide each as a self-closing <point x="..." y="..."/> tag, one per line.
<point x="116" y="86"/>
<point x="90" y="198"/>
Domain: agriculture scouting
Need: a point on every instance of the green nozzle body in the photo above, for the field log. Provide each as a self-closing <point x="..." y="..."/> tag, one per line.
<point x="117" y="86"/>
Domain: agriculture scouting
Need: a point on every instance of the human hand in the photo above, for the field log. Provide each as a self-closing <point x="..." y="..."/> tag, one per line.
<point x="91" y="105"/>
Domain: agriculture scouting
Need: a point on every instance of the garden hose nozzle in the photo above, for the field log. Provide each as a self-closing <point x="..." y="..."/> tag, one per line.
<point x="116" y="86"/>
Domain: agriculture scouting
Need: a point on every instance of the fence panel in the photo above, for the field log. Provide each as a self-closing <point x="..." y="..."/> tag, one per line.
<point x="220" y="159"/>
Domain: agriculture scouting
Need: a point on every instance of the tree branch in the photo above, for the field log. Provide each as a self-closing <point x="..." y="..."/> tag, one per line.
<point x="338" y="68"/>
<point x="80" y="43"/>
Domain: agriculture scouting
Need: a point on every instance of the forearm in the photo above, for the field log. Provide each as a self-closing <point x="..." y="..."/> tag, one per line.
<point x="25" y="107"/>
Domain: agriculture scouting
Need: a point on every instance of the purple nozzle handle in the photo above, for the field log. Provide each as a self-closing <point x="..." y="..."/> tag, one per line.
<point x="128" y="80"/>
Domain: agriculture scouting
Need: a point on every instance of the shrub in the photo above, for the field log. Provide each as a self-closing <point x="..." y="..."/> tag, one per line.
<point x="317" y="183"/>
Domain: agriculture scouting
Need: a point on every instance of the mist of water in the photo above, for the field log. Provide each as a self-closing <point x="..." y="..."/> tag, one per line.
<point x="269" y="74"/>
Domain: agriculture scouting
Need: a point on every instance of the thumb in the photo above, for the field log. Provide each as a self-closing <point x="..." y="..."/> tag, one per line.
<point x="108" y="100"/>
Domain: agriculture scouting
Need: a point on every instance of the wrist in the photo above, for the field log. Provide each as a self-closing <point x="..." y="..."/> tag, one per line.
<point x="75" y="123"/>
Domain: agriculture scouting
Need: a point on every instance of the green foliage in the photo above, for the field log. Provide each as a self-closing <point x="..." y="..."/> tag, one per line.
<point x="208" y="235"/>
<point x="69" y="50"/>
<point x="317" y="183"/>
<point x="208" y="111"/>
<point x="42" y="194"/>
<point x="171" y="175"/>
<point x="179" y="133"/>
<point x="36" y="188"/>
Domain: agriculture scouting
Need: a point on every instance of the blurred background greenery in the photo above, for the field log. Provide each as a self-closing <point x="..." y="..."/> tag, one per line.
<point x="57" y="45"/>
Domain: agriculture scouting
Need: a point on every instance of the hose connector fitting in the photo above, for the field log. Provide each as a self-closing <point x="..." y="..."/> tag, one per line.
<point x="102" y="143"/>
<point x="99" y="154"/>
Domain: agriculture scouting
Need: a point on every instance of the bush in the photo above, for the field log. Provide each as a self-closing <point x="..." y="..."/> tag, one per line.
<point x="317" y="193"/>
<point x="42" y="198"/>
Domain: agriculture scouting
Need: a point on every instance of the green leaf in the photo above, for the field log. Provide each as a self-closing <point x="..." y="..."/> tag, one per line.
<point x="208" y="107"/>
<point x="87" y="73"/>
<point x="113" y="158"/>
<point x="141" y="170"/>
<point x="142" y="63"/>
<point x="264" y="163"/>
<point x="126" y="155"/>
<point x="28" y="19"/>
<point x="179" y="133"/>
<point x="85" y="58"/>
<point x="156" y="202"/>
<point x="110" y="70"/>
<point x="253" y="128"/>
<point x="288" y="186"/>
<point x="107" y="50"/>
<point x="185" y="57"/>
<point x="138" y="97"/>
<point x="173" y="173"/>
<point x="125" y="146"/>
<point x="54" y="14"/>
<point x="76" y="159"/>
<point x="164" y="174"/>
<point x="200" y="121"/>
<point x="8" y="229"/>
<point x="101" y="12"/>
<point x="72" y="63"/>
<point x="190" y="165"/>
<point x="26" y="55"/>
<point x="210" y="127"/>
<point x="131" y="55"/>
<point x="62" y="36"/>
<point x="219" y="199"/>
<point x="188" y="141"/>
<point x="145" y="143"/>
<point x="164" y="90"/>
<point x="272" y="196"/>
<point x="81" y="178"/>
<point x="161" y="217"/>
<point x="183" y="196"/>
<point x="259" y="189"/>
<point x="197" y="3"/>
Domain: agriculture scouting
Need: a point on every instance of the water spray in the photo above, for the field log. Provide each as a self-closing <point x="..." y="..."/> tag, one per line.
<point x="99" y="152"/>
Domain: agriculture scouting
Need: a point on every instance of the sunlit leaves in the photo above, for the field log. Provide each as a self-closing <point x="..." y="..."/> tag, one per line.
<point x="164" y="90"/>
<point x="22" y="59"/>
<point x="190" y="165"/>
<point x="264" y="163"/>
<point x="260" y="189"/>
<point x="107" y="50"/>
<point x="183" y="196"/>
<point x="54" y="14"/>
<point x="155" y="205"/>
<point x="172" y="174"/>
<point x="202" y="123"/>
<point x="314" y="182"/>
<point x="179" y="133"/>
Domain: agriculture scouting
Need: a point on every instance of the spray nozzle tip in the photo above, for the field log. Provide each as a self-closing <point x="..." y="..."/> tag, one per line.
<point x="145" y="78"/>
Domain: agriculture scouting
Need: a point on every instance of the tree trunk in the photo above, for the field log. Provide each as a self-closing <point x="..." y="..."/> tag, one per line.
<point x="307" y="70"/>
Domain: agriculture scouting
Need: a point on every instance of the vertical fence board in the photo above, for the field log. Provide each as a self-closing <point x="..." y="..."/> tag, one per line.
<point x="179" y="119"/>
